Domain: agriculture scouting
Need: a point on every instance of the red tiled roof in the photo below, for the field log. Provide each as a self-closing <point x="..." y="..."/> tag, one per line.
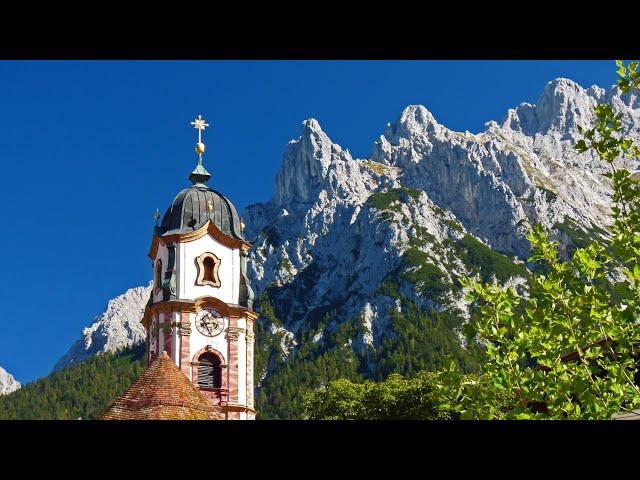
<point x="162" y="392"/>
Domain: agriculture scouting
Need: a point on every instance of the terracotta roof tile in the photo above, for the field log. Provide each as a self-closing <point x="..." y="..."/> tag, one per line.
<point x="162" y="392"/>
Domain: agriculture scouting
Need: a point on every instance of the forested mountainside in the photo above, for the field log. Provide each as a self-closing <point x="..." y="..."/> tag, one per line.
<point x="81" y="391"/>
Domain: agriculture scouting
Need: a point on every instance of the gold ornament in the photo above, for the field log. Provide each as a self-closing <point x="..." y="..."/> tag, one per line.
<point x="200" y="125"/>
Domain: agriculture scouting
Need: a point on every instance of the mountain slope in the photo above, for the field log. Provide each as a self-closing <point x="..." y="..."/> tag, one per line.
<point x="118" y="327"/>
<point x="83" y="390"/>
<point x="355" y="261"/>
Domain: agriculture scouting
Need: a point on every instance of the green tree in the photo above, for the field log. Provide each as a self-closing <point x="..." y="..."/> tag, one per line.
<point x="568" y="345"/>
<point x="427" y="395"/>
<point x="395" y="398"/>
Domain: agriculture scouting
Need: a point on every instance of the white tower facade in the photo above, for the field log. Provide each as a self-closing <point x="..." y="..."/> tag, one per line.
<point x="200" y="310"/>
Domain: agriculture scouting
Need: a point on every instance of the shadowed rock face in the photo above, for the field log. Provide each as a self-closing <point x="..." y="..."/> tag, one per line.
<point x="474" y="179"/>
<point x="8" y="384"/>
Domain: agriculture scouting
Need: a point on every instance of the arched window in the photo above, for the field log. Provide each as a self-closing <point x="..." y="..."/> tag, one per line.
<point x="157" y="279"/>
<point x="209" y="265"/>
<point x="209" y="371"/>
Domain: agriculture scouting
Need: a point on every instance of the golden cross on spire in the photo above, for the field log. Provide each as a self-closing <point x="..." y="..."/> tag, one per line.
<point x="200" y="124"/>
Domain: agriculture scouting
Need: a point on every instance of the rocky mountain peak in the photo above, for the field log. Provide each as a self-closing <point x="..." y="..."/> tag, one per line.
<point x="8" y="384"/>
<point x="306" y="162"/>
<point x="312" y="125"/>
<point x="414" y="121"/>
<point x="416" y="118"/>
<point x="562" y="107"/>
<point x="561" y="85"/>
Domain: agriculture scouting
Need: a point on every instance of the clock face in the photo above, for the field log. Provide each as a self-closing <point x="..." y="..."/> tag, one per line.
<point x="209" y="323"/>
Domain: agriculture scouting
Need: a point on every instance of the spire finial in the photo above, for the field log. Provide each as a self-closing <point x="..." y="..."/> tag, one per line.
<point x="200" y="124"/>
<point x="199" y="174"/>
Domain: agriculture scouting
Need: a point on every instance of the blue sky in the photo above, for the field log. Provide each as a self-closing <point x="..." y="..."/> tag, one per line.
<point x="89" y="150"/>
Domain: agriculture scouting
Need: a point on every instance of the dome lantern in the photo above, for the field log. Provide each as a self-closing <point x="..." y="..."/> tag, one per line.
<point x="199" y="176"/>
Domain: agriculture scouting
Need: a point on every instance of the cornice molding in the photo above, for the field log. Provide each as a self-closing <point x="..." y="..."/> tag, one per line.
<point x="195" y="306"/>
<point x="208" y="228"/>
<point x="235" y="407"/>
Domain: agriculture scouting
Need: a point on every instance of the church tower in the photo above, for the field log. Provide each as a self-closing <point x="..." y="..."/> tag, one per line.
<point x="200" y="309"/>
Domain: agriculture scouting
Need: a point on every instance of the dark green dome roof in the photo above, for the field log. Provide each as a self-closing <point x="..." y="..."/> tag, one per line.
<point x="192" y="208"/>
<point x="189" y="211"/>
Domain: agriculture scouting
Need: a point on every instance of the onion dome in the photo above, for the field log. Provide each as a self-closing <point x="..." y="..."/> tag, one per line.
<point x="194" y="206"/>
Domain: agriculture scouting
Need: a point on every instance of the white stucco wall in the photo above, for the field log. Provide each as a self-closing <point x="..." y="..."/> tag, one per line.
<point x="187" y="270"/>
<point x="229" y="271"/>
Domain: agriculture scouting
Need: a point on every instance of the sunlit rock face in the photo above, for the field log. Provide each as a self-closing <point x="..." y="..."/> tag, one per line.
<point x="330" y="237"/>
<point x="8" y="384"/>
<point x="118" y="327"/>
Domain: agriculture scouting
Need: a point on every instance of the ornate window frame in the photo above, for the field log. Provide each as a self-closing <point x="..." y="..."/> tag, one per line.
<point x="223" y="367"/>
<point x="216" y="266"/>
<point x="210" y="377"/>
